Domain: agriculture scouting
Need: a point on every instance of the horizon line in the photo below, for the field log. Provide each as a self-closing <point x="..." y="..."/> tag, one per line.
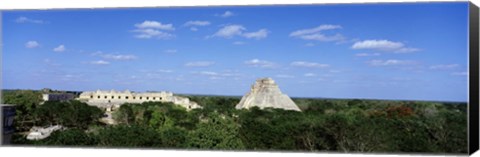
<point x="293" y="97"/>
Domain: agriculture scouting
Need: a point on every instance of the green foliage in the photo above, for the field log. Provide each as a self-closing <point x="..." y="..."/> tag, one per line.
<point x="20" y="139"/>
<point x="124" y="115"/>
<point x="69" y="114"/>
<point x="448" y="131"/>
<point x="69" y="137"/>
<point x="220" y="104"/>
<point x="155" y="115"/>
<point x="216" y="132"/>
<point x="275" y="129"/>
<point x="25" y="101"/>
<point x="173" y="137"/>
<point x="347" y="125"/>
<point x="352" y="131"/>
<point x="312" y="135"/>
<point x="128" y="136"/>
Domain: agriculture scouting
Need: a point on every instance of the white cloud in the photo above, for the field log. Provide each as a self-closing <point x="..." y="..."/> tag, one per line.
<point x="215" y="78"/>
<point x="390" y="62"/>
<point x="314" y="30"/>
<point x="230" y="74"/>
<point x="367" y="54"/>
<point x="284" y="76"/>
<point x="262" y="33"/>
<point x="322" y="37"/>
<point x="377" y="44"/>
<point x="119" y="57"/>
<point x="21" y="19"/>
<point x="444" y="66"/>
<point x="209" y="73"/>
<point x="157" y="74"/>
<point x="218" y="75"/>
<point x="133" y="77"/>
<point x="154" y="25"/>
<point x="226" y="14"/>
<point x="460" y="74"/>
<point x="100" y="62"/>
<point x="152" y="33"/>
<point x="153" y="29"/>
<point x="407" y="50"/>
<point x="310" y="75"/>
<point x="28" y="20"/>
<point x="197" y="23"/>
<point x="383" y="45"/>
<point x="114" y="56"/>
<point x="59" y="48"/>
<point x="260" y="63"/>
<point x="68" y="76"/>
<point x="32" y="44"/>
<point x="317" y="34"/>
<point x="194" y="24"/>
<point x="308" y="64"/>
<point x="199" y="64"/>
<point x="230" y="31"/>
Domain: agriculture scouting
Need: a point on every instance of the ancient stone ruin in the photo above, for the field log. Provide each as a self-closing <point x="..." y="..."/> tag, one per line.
<point x="113" y="99"/>
<point x="265" y="93"/>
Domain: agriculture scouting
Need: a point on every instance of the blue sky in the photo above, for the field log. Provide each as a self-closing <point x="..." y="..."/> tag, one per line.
<point x="407" y="51"/>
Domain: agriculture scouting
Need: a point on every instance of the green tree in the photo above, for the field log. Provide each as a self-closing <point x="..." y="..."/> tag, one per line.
<point x="447" y="131"/>
<point x="124" y="115"/>
<point x="269" y="129"/>
<point x="216" y="132"/>
<point x="25" y="101"/>
<point x="173" y="137"/>
<point x="69" y="114"/>
<point x="69" y="137"/>
<point x="128" y="136"/>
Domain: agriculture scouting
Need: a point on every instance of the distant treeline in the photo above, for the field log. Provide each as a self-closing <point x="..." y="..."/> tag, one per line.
<point x="331" y="125"/>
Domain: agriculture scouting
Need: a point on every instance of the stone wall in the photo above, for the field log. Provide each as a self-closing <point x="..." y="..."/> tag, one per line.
<point x="109" y="99"/>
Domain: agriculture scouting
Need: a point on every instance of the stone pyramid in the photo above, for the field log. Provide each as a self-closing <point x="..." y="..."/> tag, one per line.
<point x="265" y="93"/>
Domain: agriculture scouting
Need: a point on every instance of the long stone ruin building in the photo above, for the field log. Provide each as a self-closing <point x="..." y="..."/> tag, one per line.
<point x="113" y="99"/>
<point x="265" y="93"/>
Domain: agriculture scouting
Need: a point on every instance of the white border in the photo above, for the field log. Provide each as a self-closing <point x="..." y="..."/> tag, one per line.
<point x="97" y="152"/>
<point x="86" y="152"/>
